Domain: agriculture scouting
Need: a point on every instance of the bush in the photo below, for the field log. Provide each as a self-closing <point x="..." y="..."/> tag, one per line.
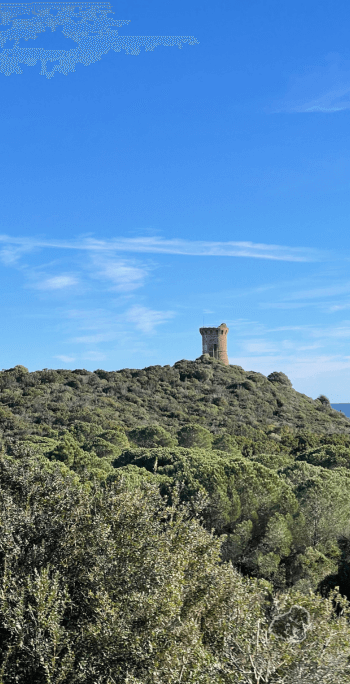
<point x="279" y="378"/>
<point x="111" y="585"/>
<point x="152" y="436"/>
<point x="195" y="436"/>
<point x="225" y="443"/>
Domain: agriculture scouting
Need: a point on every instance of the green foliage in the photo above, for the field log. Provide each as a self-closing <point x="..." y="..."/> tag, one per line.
<point x="243" y="498"/>
<point x="116" y="436"/>
<point x="112" y="585"/>
<point x="195" y="436"/>
<point x="120" y="576"/>
<point x="324" y="498"/>
<point x="255" y="654"/>
<point x="68" y="452"/>
<point x="221" y="399"/>
<point x="85" y="463"/>
<point x="328" y="456"/>
<point x="226" y="442"/>
<point x="279" y="378"/>
<point x="245" y="441"/>
<point x="278" y="520"/>
<point x="151" y="436"/>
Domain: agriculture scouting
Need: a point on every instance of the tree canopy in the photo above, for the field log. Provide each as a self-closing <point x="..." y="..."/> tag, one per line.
<point x="114" y="585"/>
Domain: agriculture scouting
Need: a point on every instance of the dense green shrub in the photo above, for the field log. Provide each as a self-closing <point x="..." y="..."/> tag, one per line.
<point x="328" y="456"/>
<point x="226" y="442"/>
<point x="151" y="436"/>
<point x="194" y="436"/>
<point x="111" y="585"/>
<point x="279" y="378"/>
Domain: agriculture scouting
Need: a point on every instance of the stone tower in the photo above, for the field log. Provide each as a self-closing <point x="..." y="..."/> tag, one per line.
<point x="214" y="342"/>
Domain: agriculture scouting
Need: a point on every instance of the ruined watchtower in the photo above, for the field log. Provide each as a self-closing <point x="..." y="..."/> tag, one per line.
<point x="214" y="342"/>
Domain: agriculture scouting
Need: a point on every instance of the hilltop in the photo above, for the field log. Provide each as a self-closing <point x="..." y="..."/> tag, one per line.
<point x="223" y="399"/>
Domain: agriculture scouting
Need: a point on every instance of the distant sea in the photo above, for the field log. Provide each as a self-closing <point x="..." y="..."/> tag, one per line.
<point x="345" y="408"/>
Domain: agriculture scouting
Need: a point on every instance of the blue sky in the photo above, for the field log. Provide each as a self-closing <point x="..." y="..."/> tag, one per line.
<point x="142" y="195"/>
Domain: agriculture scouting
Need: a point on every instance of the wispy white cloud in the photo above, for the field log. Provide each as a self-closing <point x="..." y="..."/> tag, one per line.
<point x="338" y="331"/>
<point x="283" y="328"/>
<point x="59" y="282"/>
<point x="312" y="296"/>
<point x="329" y="102"/>
<point x="339" y="307"/>
<point x="94" y="339"/>
<point x="313" y="356"/>
<point x="89" y="319"/>
<point x="146" y="319"/>
<point x="94" y="356"/>
<point x="124" y="276"/>
<point x="284" y="305"/>
<point x="11" y="253"/>
<point x="321" y="89"/>
<point x="260" y="346"/>
<point x="320" y="292"/>
<point x="304" y="336"/>
<point x="205" y="248"/>
<point x="64" y="358"/>
<point x="155" y="245"/>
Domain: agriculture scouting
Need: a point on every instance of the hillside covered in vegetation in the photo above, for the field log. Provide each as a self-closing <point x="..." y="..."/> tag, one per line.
<point x="172" y="524"/>
<point x="224" y="399"/>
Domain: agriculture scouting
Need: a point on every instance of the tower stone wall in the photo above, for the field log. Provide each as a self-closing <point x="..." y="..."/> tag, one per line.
<point x="214" y="342"/>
